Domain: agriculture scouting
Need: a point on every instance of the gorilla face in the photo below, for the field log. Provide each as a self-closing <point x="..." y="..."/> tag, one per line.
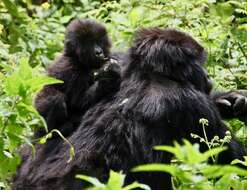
<point x="87" y="42"/>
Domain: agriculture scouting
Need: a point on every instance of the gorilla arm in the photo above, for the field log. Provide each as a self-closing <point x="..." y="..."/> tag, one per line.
<point x="51" y="102"/>
<point x="107" y="82"/>
<point x="51" y="105"/>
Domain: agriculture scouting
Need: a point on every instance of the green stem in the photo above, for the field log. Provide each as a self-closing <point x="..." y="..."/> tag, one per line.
<point x="206" y="139"/>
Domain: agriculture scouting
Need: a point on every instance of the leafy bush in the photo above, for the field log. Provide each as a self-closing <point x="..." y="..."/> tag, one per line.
<point x="116" y="182"/>
<point x="17" y="115"/>
<point x="191" y="170"/>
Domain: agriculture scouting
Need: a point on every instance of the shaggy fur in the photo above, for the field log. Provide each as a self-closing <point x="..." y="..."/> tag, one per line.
<point x="86" y="49"/>
<point x="164" y="92"/>
<point x="232" y="104"/>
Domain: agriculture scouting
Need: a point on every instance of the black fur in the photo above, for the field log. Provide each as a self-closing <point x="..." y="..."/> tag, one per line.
<point x="232" y="104"/>
<point x="86" y="49"/>
<point x="164" y="92"/>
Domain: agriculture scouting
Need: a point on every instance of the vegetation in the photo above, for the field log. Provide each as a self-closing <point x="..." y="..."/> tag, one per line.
<point x="32" y="33"/>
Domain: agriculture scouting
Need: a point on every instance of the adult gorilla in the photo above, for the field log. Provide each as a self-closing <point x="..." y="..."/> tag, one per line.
<point x="164" y="92"/>
<point x="231" y="104"/>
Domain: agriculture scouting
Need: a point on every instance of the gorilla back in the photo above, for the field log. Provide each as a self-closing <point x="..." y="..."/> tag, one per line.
<point x="163" y="94"/>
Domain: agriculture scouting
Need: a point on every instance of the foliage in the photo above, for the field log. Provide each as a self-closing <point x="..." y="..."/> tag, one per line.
<point x="214" y="142"/>
<point x="32" y="33"/>
<point x="49" y="135"/>
<point x="17" y="115"/>
<point x="116" y="182"/>
<point x="221" y="27"/>
<point x="240" y="130"/>
<point x="191" y="170"/>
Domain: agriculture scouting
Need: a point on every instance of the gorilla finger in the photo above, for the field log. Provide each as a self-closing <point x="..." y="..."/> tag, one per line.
<point x="232" y="96"/>
<point x="223" y="102"/>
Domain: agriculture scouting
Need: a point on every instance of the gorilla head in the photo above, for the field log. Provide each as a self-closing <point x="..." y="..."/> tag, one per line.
<point x="171" y="53"/>
<point x="87" y="42"/>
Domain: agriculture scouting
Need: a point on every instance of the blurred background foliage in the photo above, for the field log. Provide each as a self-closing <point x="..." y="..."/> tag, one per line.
<point x="35" y="28"/>
<point x="32" y="34"/>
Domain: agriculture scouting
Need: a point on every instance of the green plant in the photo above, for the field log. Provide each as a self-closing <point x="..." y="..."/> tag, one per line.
<point x="191" y="170"/>
<point x="48" y="136"/>
<point x="115" y="182"/>
<point x="214" y="142"/>
<point x="17" y="116"/>
<point x="34" y="35"/>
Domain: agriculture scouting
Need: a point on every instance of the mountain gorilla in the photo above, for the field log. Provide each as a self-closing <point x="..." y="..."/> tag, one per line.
<point x="86" y="50"/>
<point x="231" y="104"/>
<point x="164" y="93"/>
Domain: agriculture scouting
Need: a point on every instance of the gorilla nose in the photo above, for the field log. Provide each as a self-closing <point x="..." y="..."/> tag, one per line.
<point x="99" y="52"/>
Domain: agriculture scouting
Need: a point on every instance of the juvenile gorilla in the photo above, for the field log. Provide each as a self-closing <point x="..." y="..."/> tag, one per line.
<point x="86" y="49"/>
<point x="164" y="93"/>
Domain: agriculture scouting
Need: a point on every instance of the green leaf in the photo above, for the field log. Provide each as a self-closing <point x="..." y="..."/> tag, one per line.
<point x="244" y="163"/>
<point x="136" y="185"/>
<point x="92" y="180"/>
<point x="13" y="84"/>
<point x="115" y="181"/>
<point x="166" y="148"/>
<point x="37" y="83"/>
<point x="11" y="7"/>
<point x="212" y="152"/>
<point x="171" y="169"/>
<point x="135" y="15"/>
<point x="224" y="10"/>
<point x="223" y="183"/>
<point x="6" y="68"/>
<point x="25" y="71"/>
<point x="218" y="171"/>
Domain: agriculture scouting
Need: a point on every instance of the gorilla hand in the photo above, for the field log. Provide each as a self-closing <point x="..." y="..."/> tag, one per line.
<point x="232" y="104"/>
<point x="109" y="76"/>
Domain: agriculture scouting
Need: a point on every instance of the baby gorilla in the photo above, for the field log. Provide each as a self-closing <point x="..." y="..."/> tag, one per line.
<point x="86" y="49"/>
